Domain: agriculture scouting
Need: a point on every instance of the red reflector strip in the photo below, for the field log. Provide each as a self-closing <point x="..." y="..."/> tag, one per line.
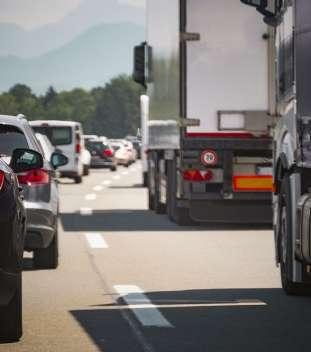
<point x="220" y="135"/>
<point x="197" y="175"/>
<point x="34" y="177"/>
<point x="253" y="183"/>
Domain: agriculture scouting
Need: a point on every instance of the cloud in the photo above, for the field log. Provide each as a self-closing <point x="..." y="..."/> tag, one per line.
<point x="33" y="13"/>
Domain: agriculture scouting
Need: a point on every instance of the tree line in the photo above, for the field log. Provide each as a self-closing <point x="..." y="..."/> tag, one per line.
<point x="112" y="110"/>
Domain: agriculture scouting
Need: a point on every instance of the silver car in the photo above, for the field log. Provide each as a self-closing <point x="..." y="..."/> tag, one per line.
<point x="40" y="191"/>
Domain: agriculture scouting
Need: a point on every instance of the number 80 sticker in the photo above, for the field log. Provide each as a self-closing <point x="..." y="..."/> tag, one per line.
<point x="209" y="157"/>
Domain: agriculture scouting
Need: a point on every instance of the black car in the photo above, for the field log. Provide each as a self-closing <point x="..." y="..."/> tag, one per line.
<point x="102" y="154"/>
<point x="13" y="231"/>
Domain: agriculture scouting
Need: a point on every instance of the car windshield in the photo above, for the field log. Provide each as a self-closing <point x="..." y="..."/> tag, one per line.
<point x="57" y="135"/>
<point x="96" y="146"/>
<point x="11" y="138"/>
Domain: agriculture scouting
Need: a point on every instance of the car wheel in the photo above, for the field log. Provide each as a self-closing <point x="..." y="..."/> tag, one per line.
<point x="47" y="258"/>
<point x="86" y="170"/>
<point x="78" y="179"/>
<point x="11" y="316"/>
<point x="113" y="168"/>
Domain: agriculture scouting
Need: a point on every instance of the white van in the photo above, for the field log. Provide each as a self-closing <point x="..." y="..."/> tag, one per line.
<point x="66" y="136"/>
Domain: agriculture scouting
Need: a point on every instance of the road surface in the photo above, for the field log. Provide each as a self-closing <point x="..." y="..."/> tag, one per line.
<point x="131" y="281"/>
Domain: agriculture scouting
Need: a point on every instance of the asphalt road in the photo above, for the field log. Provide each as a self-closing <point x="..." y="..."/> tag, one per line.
<point x="131" y="281"/>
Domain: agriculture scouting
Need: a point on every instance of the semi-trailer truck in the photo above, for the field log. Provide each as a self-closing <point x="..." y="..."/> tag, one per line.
<point x="205" y="65"/>
<point x="290" y="31"/>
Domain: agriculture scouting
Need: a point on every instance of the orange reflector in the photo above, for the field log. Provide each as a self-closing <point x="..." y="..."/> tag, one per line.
<point x="252" y="183"/>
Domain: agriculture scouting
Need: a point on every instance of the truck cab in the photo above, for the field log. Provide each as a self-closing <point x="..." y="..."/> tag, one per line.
<point x="290" y="29"/>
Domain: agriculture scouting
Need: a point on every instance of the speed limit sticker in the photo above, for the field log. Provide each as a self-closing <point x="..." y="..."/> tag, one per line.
<point x="209" y="157"/>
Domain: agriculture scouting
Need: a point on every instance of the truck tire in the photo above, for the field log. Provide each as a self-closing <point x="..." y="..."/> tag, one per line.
<point x="78" y="179"/>
<point x="178" y="215"/>
<point x="11" y="316"/>
<point x="47" y="258"/>
<point x="145" y="179"/>
<point x="285" y="242"/>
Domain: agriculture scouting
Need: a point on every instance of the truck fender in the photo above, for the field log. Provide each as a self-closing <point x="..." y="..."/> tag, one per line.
<point x="282" y="166"/>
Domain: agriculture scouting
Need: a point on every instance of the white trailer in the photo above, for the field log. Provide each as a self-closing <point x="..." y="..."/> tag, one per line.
<point x="205" y="66"/>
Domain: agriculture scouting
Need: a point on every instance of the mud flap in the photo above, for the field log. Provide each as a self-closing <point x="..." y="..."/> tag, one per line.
<point x="303" y="239"/>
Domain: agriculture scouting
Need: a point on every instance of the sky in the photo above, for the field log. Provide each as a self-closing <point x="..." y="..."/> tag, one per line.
<point x="35" y="13"/>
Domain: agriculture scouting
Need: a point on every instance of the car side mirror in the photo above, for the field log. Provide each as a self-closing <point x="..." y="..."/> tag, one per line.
<point x="139" y="72"/>
<point x="256" y="3"/>
<point x="58" y="159"/>
<point x="273" y="14"/>
<point x="25" y="160"/>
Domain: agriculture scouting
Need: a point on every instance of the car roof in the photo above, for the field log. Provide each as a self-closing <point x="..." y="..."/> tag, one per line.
<point x="55" y="123"/>
<point x="17" y="121"/>
<point x="21" y="123"/>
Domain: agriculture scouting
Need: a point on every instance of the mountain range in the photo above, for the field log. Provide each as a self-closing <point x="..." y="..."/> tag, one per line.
<point x="17" y="41"/>
<point x="90" y="59"/>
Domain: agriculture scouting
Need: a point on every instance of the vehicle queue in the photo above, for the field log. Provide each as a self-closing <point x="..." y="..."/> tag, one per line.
<point x="33" y="157"/>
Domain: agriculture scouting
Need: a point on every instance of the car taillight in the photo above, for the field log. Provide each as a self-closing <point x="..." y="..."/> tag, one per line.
<point x="108" y="152"/>
<point x="34" y="177"/>
<point x="197" y="175"/>
<point x="1" y="179"/>
<point x="78" y="148"/>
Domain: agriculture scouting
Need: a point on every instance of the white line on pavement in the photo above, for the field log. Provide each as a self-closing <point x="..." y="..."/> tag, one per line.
<point x="116" y="177"/>
<point x="91" y="196"/>
<point x="86" y="211"/>
<point x="106" y="183"/>
<point x="97" y="188"/>
<point x="96" y="240"/>
<point x="149" y="315"/>
<point x="125" y="173"/>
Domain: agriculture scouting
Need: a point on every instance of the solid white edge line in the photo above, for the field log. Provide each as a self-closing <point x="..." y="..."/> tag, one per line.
<point x="96" y="240"/>
<point x="150" y="315"/>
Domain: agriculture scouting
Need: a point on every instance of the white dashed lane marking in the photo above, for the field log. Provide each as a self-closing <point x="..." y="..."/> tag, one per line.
<point x="86" y="211"/>
<point x="96" y="240"/>
<point x="116" y="177"/>
<point x="97" y="188"/>
<point x="106" y="183"/>
<point x="145" y="312"/>
<point x="91" y="196"/>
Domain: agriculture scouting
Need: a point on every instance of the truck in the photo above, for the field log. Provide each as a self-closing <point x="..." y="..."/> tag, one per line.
<point x="205" y="66"/>
<point x="290" y="31"/>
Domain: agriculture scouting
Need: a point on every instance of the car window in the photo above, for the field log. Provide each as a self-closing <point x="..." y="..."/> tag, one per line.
<point x="96" y="146"/>
<point x="11" y="138"/>
<point x="57" y="135"/>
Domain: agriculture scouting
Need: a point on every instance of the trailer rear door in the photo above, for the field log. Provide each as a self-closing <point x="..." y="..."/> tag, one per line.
<point x="227" y="70"/>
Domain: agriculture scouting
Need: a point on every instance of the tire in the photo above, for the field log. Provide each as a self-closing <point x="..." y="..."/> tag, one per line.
<point x="145" y="179"/>
<point x="285" y="242"/>
<point x="113" y="168"/>
<point x="78" y="179"/>
<point x="11" y="316"/>
<point x="47" y="258"/>
<point x="86" y="170"/>
<point x="176" y="214"/>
